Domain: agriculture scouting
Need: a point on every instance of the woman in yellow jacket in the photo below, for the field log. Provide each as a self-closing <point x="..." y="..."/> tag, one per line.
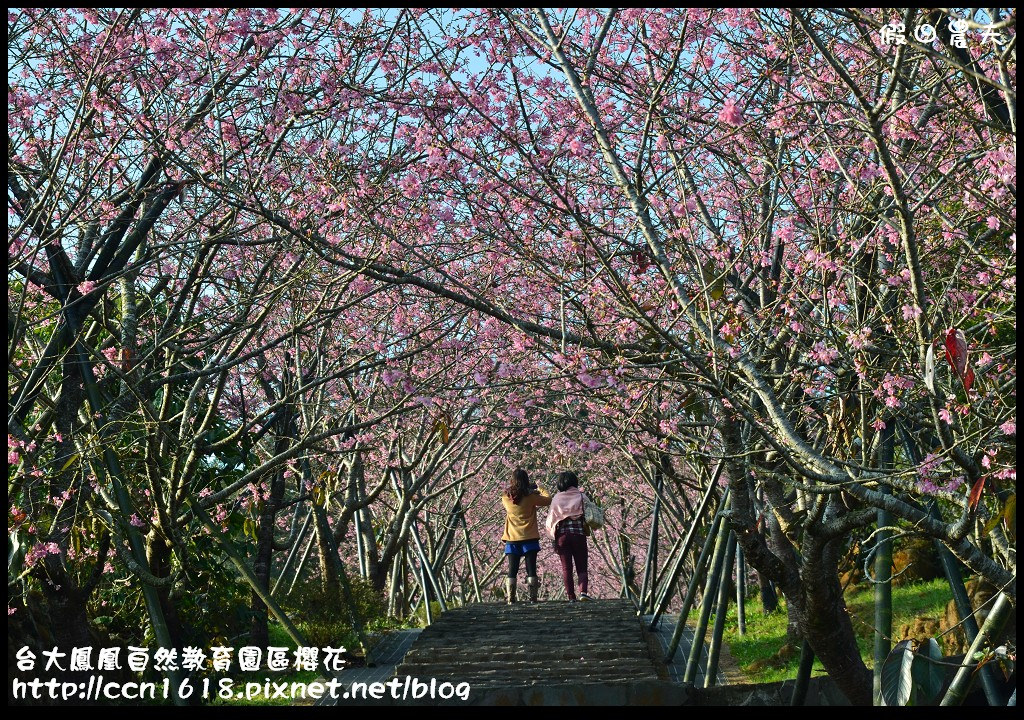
<point x="521" y="536"/>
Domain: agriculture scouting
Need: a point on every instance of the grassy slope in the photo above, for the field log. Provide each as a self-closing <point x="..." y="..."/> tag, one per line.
<point x="765" y="636"/>
<point x="278" y="638"/>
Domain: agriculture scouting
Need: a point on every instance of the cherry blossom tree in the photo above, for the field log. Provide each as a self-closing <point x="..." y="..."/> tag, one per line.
<point x="328" y="275"/>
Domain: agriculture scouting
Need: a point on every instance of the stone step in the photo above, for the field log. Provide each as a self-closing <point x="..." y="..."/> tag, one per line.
<point x="504" y="654"/>
<point x="543" y="608"/>
<point x="493" y="678"/>
<point x="552" y="623"/>
<point x="549" y="630"/>
<point x="576" y="664"/>
<point x="552" y="630"/>
<point x="534" y="676"/>
<point x="549" y="623"/>
<point x="494" y="646"/>
<point x="525" y="638"/>
<point x="519" y="610"/>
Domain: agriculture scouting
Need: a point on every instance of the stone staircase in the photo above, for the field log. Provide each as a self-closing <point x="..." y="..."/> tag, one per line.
<point x="551" y="653"/>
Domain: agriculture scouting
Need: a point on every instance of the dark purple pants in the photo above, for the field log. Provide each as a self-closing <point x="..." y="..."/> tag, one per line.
<point x="572" y="548"/>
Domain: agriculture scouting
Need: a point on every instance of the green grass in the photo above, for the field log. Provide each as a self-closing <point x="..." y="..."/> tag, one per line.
<point x="306" y="676"/>
<point x="278" y="637"/>
<point x="766" y="635"/>
<point x="420" y="618"/>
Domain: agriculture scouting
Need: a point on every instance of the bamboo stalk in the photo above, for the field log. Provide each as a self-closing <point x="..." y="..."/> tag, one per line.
<point x="293" y="552"/>
<point x="951" y="569"/>
<point x="691" y="535"/>
<point x="803" y="676"/>
<point x="711" y="671"/>
<point x="651" y="558"/>
<point x="741" y="592"/>
<point x="360" y="555"/>
<point x="658" y="584"/>
<point x="693" y="661"/>
<point x="339" y="568"/>
<point x="699" y="572"/>
<point x="883" y="601"/>
<point x="302" y="564"/>
<point x="469" y="554"/>
<point x="990" y="630"/>
<point x="883" y="574"/>
<point x="424" y="595"/>
<point x="425" y="568"/>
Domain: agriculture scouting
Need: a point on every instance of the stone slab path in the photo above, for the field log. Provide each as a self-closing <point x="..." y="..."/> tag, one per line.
<point x="551" y="653"/>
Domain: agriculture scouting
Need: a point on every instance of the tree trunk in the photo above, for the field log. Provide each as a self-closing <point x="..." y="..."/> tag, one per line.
<point x="65" y="601"/>
<point x="825" y="622"/>
<point x="158" y="556"/>
<point x="259" y="633"/>
<point x="324" y="547"/>
<point x="769" y="598"/>
<point x="781" y="547"/>
<point x="65" y="605"/>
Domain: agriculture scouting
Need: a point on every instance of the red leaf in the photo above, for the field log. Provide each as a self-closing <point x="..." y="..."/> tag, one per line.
<point x="968" y="379"/>
<point x="956" y="351"/>
<point x="975" y="497"/>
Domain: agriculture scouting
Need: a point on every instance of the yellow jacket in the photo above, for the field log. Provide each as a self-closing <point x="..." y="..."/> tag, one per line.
<point x="521" y="519"/>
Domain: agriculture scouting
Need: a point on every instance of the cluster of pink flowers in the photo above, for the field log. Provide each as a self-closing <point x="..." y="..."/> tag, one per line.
<point x="860" y="339"/>
<point x="39" y="551"/>
<point x="822" y="354"/>
<point x="730" y="114"/>
<point x="911" y="312"/>
<point x="890" y="388"/>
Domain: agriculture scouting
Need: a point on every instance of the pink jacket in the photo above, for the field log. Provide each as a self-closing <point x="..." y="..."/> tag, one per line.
<point x="566" y="504"/>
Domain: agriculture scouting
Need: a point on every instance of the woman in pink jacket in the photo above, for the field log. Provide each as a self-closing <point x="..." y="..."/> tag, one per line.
<point x="565" y="523"/>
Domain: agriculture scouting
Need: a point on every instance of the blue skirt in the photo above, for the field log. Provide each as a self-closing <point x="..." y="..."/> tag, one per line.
<point x="521" y="547"/>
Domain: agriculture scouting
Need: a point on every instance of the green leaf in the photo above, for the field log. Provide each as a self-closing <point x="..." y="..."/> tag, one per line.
<point x="441" y="426"/>
<point x="15" y="551"/>
<point x="1010" y="514"/>
<point x="928" y="674"/>
<point x="715" y="284"/>
<point x="71" y="459"/>
<point x="991" y="524"/>
<point x="897" y="684"/>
